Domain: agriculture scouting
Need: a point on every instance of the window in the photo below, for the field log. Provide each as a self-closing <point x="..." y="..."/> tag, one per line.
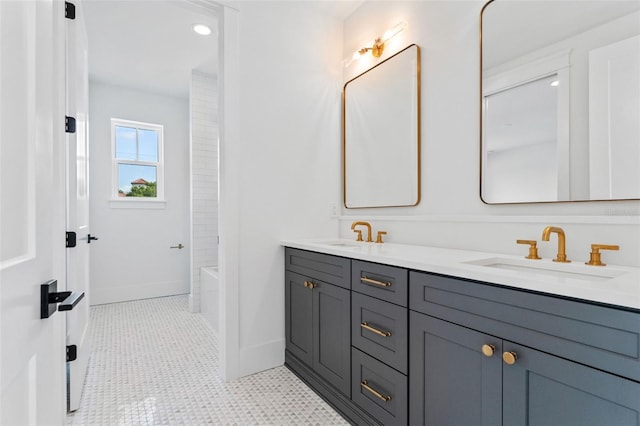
<point x="137" y="160"/>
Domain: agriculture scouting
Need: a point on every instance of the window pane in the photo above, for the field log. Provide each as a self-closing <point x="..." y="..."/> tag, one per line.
<point x="137" y="181"/>
<point x="147" y="145"/>
<point x="125" y="143"/>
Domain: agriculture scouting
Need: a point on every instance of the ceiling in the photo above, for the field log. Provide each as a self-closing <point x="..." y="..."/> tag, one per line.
<point x="339" y="9"/>
<point x="149" y="44"/>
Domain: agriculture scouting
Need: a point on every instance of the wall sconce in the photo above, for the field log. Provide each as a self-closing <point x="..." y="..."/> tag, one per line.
<point x="378" y="45"/>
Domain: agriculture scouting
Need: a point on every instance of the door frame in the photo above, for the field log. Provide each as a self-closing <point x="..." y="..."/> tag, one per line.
<point x="229" y="179"/>
<point x="229" y="183"/>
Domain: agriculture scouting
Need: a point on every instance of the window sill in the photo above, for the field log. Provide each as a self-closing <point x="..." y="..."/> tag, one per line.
<point x="129" y="203"/>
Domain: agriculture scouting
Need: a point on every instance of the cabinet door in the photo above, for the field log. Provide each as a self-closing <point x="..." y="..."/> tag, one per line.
<point x="541" y="389"/>
<point x="298" y="317"/>
<point x="331" y="335"/>
<point x="451" y="381"/>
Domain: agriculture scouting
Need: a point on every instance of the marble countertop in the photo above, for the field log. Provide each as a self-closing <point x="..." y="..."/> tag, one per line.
<point x="611" y="284"/>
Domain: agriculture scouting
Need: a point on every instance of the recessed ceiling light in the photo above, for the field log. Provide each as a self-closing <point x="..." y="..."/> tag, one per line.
<point x="202" y="29"/>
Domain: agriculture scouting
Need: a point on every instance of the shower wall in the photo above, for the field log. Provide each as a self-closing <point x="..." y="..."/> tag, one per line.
<point x="204" y="178"/>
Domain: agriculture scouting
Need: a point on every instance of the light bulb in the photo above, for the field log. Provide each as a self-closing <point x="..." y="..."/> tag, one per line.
<point x="202" y="29"/>
<point x="393" y="31"/>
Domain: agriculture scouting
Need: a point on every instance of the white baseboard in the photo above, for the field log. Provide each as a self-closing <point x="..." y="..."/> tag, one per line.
<point x="125" y="293"/>
<point x="191" y="307"/>
<point x="261" y="357"/>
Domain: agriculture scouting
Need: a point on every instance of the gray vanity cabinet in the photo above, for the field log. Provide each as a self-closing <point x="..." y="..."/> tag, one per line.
<point x="299" y="320"/>
<point x="317" y="327"/>
<point x="451" y="381"/>
<point x="542" y="389"/>
<point x="573" y="364"/>
<point x="388" y="346"/>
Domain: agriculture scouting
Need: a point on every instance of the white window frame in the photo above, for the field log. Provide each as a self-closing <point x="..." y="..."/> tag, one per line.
<point x="149" y="202"/>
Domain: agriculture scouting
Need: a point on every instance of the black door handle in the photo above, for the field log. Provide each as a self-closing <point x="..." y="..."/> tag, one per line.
<point x="50" y="297"/>
<point x="70" y="300"/>
<point x="89" y="238"/>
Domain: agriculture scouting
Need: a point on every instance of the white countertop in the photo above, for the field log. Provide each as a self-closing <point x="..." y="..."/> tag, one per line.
<point x="611" y="284"/>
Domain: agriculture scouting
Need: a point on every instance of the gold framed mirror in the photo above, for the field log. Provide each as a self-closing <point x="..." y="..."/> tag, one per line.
<point x="381" y="134"/>
<point x="560" y="101"/>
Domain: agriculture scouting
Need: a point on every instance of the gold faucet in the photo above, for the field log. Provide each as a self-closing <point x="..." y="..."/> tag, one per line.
<point x="594" y="256"/>
<point x="353" y="226"/>
<point x="562" y="256"/>
<point x="533" y="249"/>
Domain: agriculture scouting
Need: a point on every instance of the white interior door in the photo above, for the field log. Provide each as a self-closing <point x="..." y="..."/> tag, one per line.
<point x="77" y="90"/>
<point x="32" y="350"/>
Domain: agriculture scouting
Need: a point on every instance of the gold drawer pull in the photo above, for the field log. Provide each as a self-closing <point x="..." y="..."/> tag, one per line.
<point x="385" y="398"/>
<point x="375" y="330"/>
<point x="375" y="282"/>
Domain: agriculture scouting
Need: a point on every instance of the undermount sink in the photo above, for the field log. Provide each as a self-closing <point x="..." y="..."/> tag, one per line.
<point x="575" y="270"/>
<point x="342" y="243"/>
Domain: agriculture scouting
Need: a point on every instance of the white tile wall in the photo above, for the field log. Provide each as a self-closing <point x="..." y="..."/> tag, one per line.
<point x="204" y="178"/>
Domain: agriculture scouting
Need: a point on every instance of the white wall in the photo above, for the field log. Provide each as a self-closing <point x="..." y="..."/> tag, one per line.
<point x="280" y="166"/>
<point x="451" y="213"/>
<point x="281" y="157"/>
<point x="204" y="179"/>
<point x="132" y="259"/>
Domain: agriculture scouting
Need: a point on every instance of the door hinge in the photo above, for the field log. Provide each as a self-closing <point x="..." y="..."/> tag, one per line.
<point x="69" y="124"/>
<point x="71" y="239"/>
<point x="69" y="10"/>
<point x="72" y="353"/>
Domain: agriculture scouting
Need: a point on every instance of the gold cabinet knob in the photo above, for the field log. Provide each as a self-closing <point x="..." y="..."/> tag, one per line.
<point x="488" y="350"/>
<point x="309" y="284"/>
<point x="509" y="357"/>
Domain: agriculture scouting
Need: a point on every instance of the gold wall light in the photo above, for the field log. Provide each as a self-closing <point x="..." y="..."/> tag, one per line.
<point x="378" y="44"/>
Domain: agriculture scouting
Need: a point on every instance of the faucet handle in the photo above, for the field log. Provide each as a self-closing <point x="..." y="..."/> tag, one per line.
<point x="379" y="237"/>
<point x="595" y="256"/>
<point x="533" y="248"/>
<point x="359" y="233"/>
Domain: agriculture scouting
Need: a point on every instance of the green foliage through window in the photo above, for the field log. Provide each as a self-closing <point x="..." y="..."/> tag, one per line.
<point x="148" y="190"/>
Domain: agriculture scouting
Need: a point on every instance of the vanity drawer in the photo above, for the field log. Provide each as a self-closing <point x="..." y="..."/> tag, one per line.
<point x="380" y="329"/>
<point x="382" y="281"/>
<point x="379" y="389"/>
<point x="331" y="269"/>
<point x="600" y="336"/>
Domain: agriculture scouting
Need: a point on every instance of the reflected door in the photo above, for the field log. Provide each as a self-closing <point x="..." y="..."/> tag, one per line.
<point x="614" y="128"/>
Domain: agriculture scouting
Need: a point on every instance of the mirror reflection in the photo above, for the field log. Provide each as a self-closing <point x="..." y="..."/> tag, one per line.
<point x="560" y="101"/>
<point x="381" y="132"/>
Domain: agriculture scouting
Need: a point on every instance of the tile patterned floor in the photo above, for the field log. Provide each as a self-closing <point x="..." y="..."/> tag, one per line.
<point x="154" y="363"/>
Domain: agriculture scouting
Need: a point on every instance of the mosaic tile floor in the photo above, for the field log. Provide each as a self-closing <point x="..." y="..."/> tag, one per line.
<point x="155" y="363"/>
